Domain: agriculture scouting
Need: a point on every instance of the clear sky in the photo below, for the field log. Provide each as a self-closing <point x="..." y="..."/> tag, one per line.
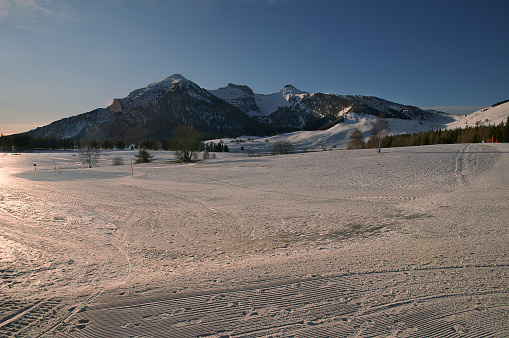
<point x="60" y="58"/>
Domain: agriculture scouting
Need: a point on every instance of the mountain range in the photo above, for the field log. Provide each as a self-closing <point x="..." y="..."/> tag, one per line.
<point x="156" y="110"/>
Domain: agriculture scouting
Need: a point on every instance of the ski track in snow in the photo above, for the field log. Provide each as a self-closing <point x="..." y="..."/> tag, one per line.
<point x="412" y="242"/>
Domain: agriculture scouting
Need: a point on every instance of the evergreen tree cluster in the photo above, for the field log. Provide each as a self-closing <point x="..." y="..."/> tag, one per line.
<point x="498" y="133"/>
<point x="21" y="142"/>
<point x="143" y="156"/>
<point x="25" y="142"/>
<point x="216" y="147"/>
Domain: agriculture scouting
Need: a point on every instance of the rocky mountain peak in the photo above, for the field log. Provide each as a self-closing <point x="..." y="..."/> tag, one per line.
<point x="241" y="87"/>
<point x="291" y="90"/>
<point x="169" y="81"/>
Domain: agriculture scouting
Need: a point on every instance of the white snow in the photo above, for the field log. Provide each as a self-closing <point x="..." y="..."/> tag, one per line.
<point x="486" y="116"/>
<point x="412" y="240"/>
<point x="288" y="96"/>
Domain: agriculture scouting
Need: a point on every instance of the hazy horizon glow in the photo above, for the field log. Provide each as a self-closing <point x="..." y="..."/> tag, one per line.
<point x="59" y="60"/>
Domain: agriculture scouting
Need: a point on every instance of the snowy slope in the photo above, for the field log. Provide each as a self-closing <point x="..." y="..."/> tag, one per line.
<point x="336" y="136"/>
<point x="286" y="97"/>
<point x="493" y="115"/>
<point x="413" y="241"/>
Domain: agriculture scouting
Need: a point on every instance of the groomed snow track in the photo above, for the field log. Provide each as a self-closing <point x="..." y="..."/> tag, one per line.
<point x="318" y="307"/>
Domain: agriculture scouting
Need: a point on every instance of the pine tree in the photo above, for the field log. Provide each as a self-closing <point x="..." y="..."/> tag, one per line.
<point x="143" y="156"/>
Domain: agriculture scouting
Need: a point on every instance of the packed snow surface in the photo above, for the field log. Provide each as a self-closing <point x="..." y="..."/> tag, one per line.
<point x="411" y="242"/>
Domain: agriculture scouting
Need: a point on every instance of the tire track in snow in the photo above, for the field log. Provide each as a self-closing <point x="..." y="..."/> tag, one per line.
<point x="461" y="165"/>
<point x="33" y="216"/>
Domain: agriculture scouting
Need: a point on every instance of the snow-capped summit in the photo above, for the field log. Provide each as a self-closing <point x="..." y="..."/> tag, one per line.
<point x="239" y="96"/>
<point x="146" y="94"/>
<point x="167" y="82"/>
<point x="291" y="90"/>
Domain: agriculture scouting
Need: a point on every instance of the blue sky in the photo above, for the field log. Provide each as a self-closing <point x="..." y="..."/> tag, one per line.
<point x="62" y="58"/>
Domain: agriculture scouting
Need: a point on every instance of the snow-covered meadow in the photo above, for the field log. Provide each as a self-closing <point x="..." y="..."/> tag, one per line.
<point x="412" y="242"/>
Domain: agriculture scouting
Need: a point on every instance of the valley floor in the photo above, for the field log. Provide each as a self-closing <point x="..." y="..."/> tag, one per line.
<point x="412" y="242"/>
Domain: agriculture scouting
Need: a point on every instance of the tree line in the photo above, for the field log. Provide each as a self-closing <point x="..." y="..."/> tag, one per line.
<point x="21" y="142"/>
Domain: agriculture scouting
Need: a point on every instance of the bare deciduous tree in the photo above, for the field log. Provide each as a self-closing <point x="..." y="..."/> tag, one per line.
<point x="89" y="156"/>
<point x="380" y="128"/>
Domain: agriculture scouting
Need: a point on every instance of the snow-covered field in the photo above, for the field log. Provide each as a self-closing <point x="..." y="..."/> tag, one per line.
<point x="412" y="242"/>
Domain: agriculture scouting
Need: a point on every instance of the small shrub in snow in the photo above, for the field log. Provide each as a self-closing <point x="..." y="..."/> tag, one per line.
<point x="117" y="160"/>
<point x="282" y="147"/>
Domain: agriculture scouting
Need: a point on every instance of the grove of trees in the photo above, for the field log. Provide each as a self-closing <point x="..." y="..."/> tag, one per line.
<point x="356" y="139"/>
<point x="185" y="143"/>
